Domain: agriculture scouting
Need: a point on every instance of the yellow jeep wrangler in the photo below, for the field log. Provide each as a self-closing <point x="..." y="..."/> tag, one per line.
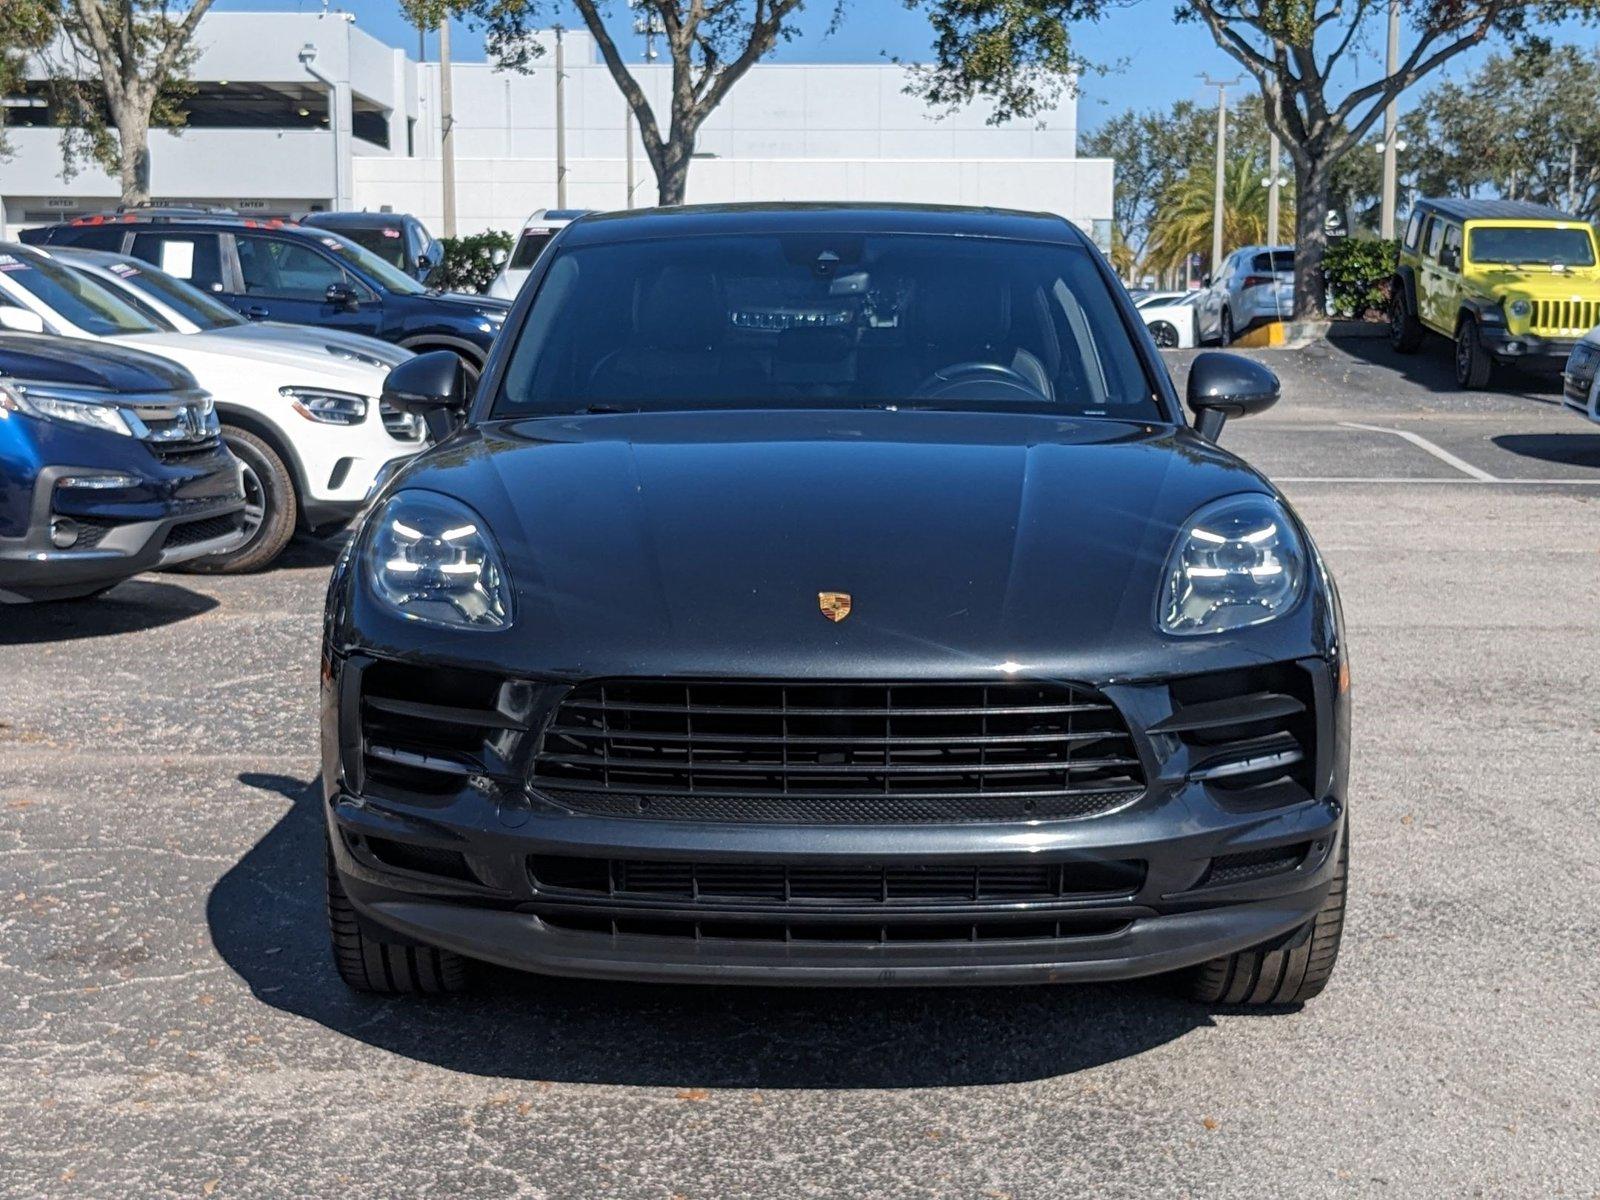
<point x="1508" y="282"/>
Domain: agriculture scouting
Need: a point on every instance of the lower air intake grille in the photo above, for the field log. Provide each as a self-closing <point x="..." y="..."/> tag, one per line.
<point x="192" y="532"/>
<point x="793" y="933"/>
<point x="1254" y="864"/>
<point x="865" y="884"/>
<point x="846" y="752"/>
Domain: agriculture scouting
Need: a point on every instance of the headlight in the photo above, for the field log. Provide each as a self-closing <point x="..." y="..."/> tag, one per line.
<point x="431" y="559"/>
<point x="330" y="408"/>
<point x="1520" y="307"/>
<point x="64" y="404"/>
<point x="1237" y="562"/>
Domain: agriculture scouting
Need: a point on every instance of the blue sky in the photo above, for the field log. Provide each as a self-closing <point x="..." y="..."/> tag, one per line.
<point x="1159" y="61"/>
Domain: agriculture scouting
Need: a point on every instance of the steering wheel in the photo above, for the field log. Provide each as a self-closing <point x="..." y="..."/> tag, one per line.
<point x="977" y="381"/>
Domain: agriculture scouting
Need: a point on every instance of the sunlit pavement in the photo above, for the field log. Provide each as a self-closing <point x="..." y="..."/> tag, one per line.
<point x="172" y="1024"/>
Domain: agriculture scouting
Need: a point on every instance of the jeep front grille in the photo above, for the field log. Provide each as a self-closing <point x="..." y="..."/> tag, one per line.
<point x="1565" y="317"/>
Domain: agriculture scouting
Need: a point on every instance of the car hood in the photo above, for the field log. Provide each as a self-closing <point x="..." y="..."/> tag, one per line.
<point x="42" y="358"/>
<point x="302" y="340"/>
<point x="483" y="305"/>
<point x="222" y="364"/>
<point x="685" y="543"/>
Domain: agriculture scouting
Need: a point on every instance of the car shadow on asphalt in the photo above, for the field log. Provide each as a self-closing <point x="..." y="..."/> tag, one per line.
<point x="130" y="607"/>
<point x="1433" y="367"/>
<point x="266" y="920"/>
<point x="1568" y="449"/>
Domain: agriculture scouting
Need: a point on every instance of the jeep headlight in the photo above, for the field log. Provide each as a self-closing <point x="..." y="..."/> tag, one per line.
<point x="1520" y="307"/>
<point x="1236" y="562"/>
<point x="431" y="559"/>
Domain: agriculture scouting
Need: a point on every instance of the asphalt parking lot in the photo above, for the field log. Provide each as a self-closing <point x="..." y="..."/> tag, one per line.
<point x="171" y="1024"/>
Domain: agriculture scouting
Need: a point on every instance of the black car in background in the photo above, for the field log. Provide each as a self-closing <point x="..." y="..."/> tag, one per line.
<point x="281" y="271"/>
<point x="400" y="239"/>
<point x="111" y="464"/>
<point x="834" y="595"/>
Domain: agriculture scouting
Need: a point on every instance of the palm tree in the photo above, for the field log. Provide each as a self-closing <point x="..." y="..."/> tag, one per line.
<point x="1182" y="224"/>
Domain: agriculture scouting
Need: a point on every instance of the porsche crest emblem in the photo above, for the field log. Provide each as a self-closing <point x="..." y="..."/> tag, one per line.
<point x="835" y="605"/>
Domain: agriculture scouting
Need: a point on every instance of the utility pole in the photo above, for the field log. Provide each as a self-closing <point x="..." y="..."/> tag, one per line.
<point x="1391" y="131"/>
<point x="447" y="130"/>
<point x="1274" y="181"/>
<point x="561" y="119"/>
<point x="1222" y="86"/>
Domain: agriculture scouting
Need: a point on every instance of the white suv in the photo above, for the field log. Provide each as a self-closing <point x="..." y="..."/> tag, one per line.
<point x="300" y="410"/>
<point x="536" y="231"/>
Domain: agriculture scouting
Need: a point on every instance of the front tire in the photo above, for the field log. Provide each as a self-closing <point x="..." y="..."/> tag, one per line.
<point x="1165" y="334"/>
<point x="369" y="964"/>
<point x="1474" y="366"/>
<point x="1284" y="972"/>
<point x="270" y="508"/>
<point x="1225" y="334"/>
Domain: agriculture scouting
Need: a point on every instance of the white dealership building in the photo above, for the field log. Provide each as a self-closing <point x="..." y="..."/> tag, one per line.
<point x="293" y="112"/>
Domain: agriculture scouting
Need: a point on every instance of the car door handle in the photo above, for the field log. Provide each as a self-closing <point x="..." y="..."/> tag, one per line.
<point x="256" y="313"/>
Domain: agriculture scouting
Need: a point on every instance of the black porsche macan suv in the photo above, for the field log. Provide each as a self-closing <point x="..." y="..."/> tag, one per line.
<point x="834" y="595"/>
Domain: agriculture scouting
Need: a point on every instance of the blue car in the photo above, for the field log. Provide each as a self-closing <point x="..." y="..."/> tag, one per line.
<point x="400" y="239"/>
<point x="111" y="463"/>
<point x="281" y="271"/>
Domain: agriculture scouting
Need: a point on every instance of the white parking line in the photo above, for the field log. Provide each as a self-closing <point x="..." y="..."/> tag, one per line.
<point x="1438" y="452"/>
<point x="1429" y="479"/>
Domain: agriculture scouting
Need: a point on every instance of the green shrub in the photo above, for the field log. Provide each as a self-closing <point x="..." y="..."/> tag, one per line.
<point x="469" y="264"/>
<point x="1357" y="271"/>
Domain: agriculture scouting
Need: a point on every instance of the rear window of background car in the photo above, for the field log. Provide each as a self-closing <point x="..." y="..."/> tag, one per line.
<point x="1275" y="260"/>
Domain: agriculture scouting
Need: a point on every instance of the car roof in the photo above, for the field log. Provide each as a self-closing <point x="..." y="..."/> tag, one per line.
<point x="1492" y="210"/>
<point x="371" y="220"/>
<point x="705" y="219"/>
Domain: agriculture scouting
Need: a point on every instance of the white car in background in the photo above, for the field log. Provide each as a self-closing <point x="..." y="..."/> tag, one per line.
<point x="1580" y="380"/>
<point x="536" y="231"/>
<point x="1170" y="317"/>
<point x="302" y="415"/>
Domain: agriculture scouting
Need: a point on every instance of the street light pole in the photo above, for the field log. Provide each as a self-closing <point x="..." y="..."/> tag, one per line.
<point x="1222" y="86"/>
<point x="1391" y="128"/>
<point x="561" y="120"/>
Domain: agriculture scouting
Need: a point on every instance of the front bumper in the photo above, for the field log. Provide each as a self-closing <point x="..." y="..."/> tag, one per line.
<point x="466" y="877"/>
<point x="1531" y="348"/>
<point x="180" y="513"/>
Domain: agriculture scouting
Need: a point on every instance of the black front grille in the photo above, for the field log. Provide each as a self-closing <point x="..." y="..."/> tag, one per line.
<point x="204" y="530"/>
<point x="185" y="451"/>
<point x="860" y="884"/>
<point x="799" y="933"/>
<point x="428" y="730"/>
<point x="403" y="426"/>
<point x="837" y="751"/>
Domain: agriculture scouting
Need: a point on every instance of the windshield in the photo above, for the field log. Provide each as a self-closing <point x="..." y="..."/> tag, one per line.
<point x="79" y="299"/>
<point x="1544" y="245"/>
<point x="821" y="320"/>
<point x="391" y="277"/>
<point x="188" y="302"/>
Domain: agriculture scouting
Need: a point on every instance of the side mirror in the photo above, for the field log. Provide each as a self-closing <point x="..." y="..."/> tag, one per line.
<point x="342" y="295"/>
<point x="20" y="320"/>
<point x="424" y="263"/>
<point x="433" y="386"/>
<point x="1227" y="385"/>
<point x="1205" y="281"/>
<point x="498" y="258"/>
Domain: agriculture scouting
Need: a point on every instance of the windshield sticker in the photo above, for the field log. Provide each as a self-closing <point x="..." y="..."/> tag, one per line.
<point x="124" y="270"/>
<point x="9" y="262"/>
<point x="391" y="233"/>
